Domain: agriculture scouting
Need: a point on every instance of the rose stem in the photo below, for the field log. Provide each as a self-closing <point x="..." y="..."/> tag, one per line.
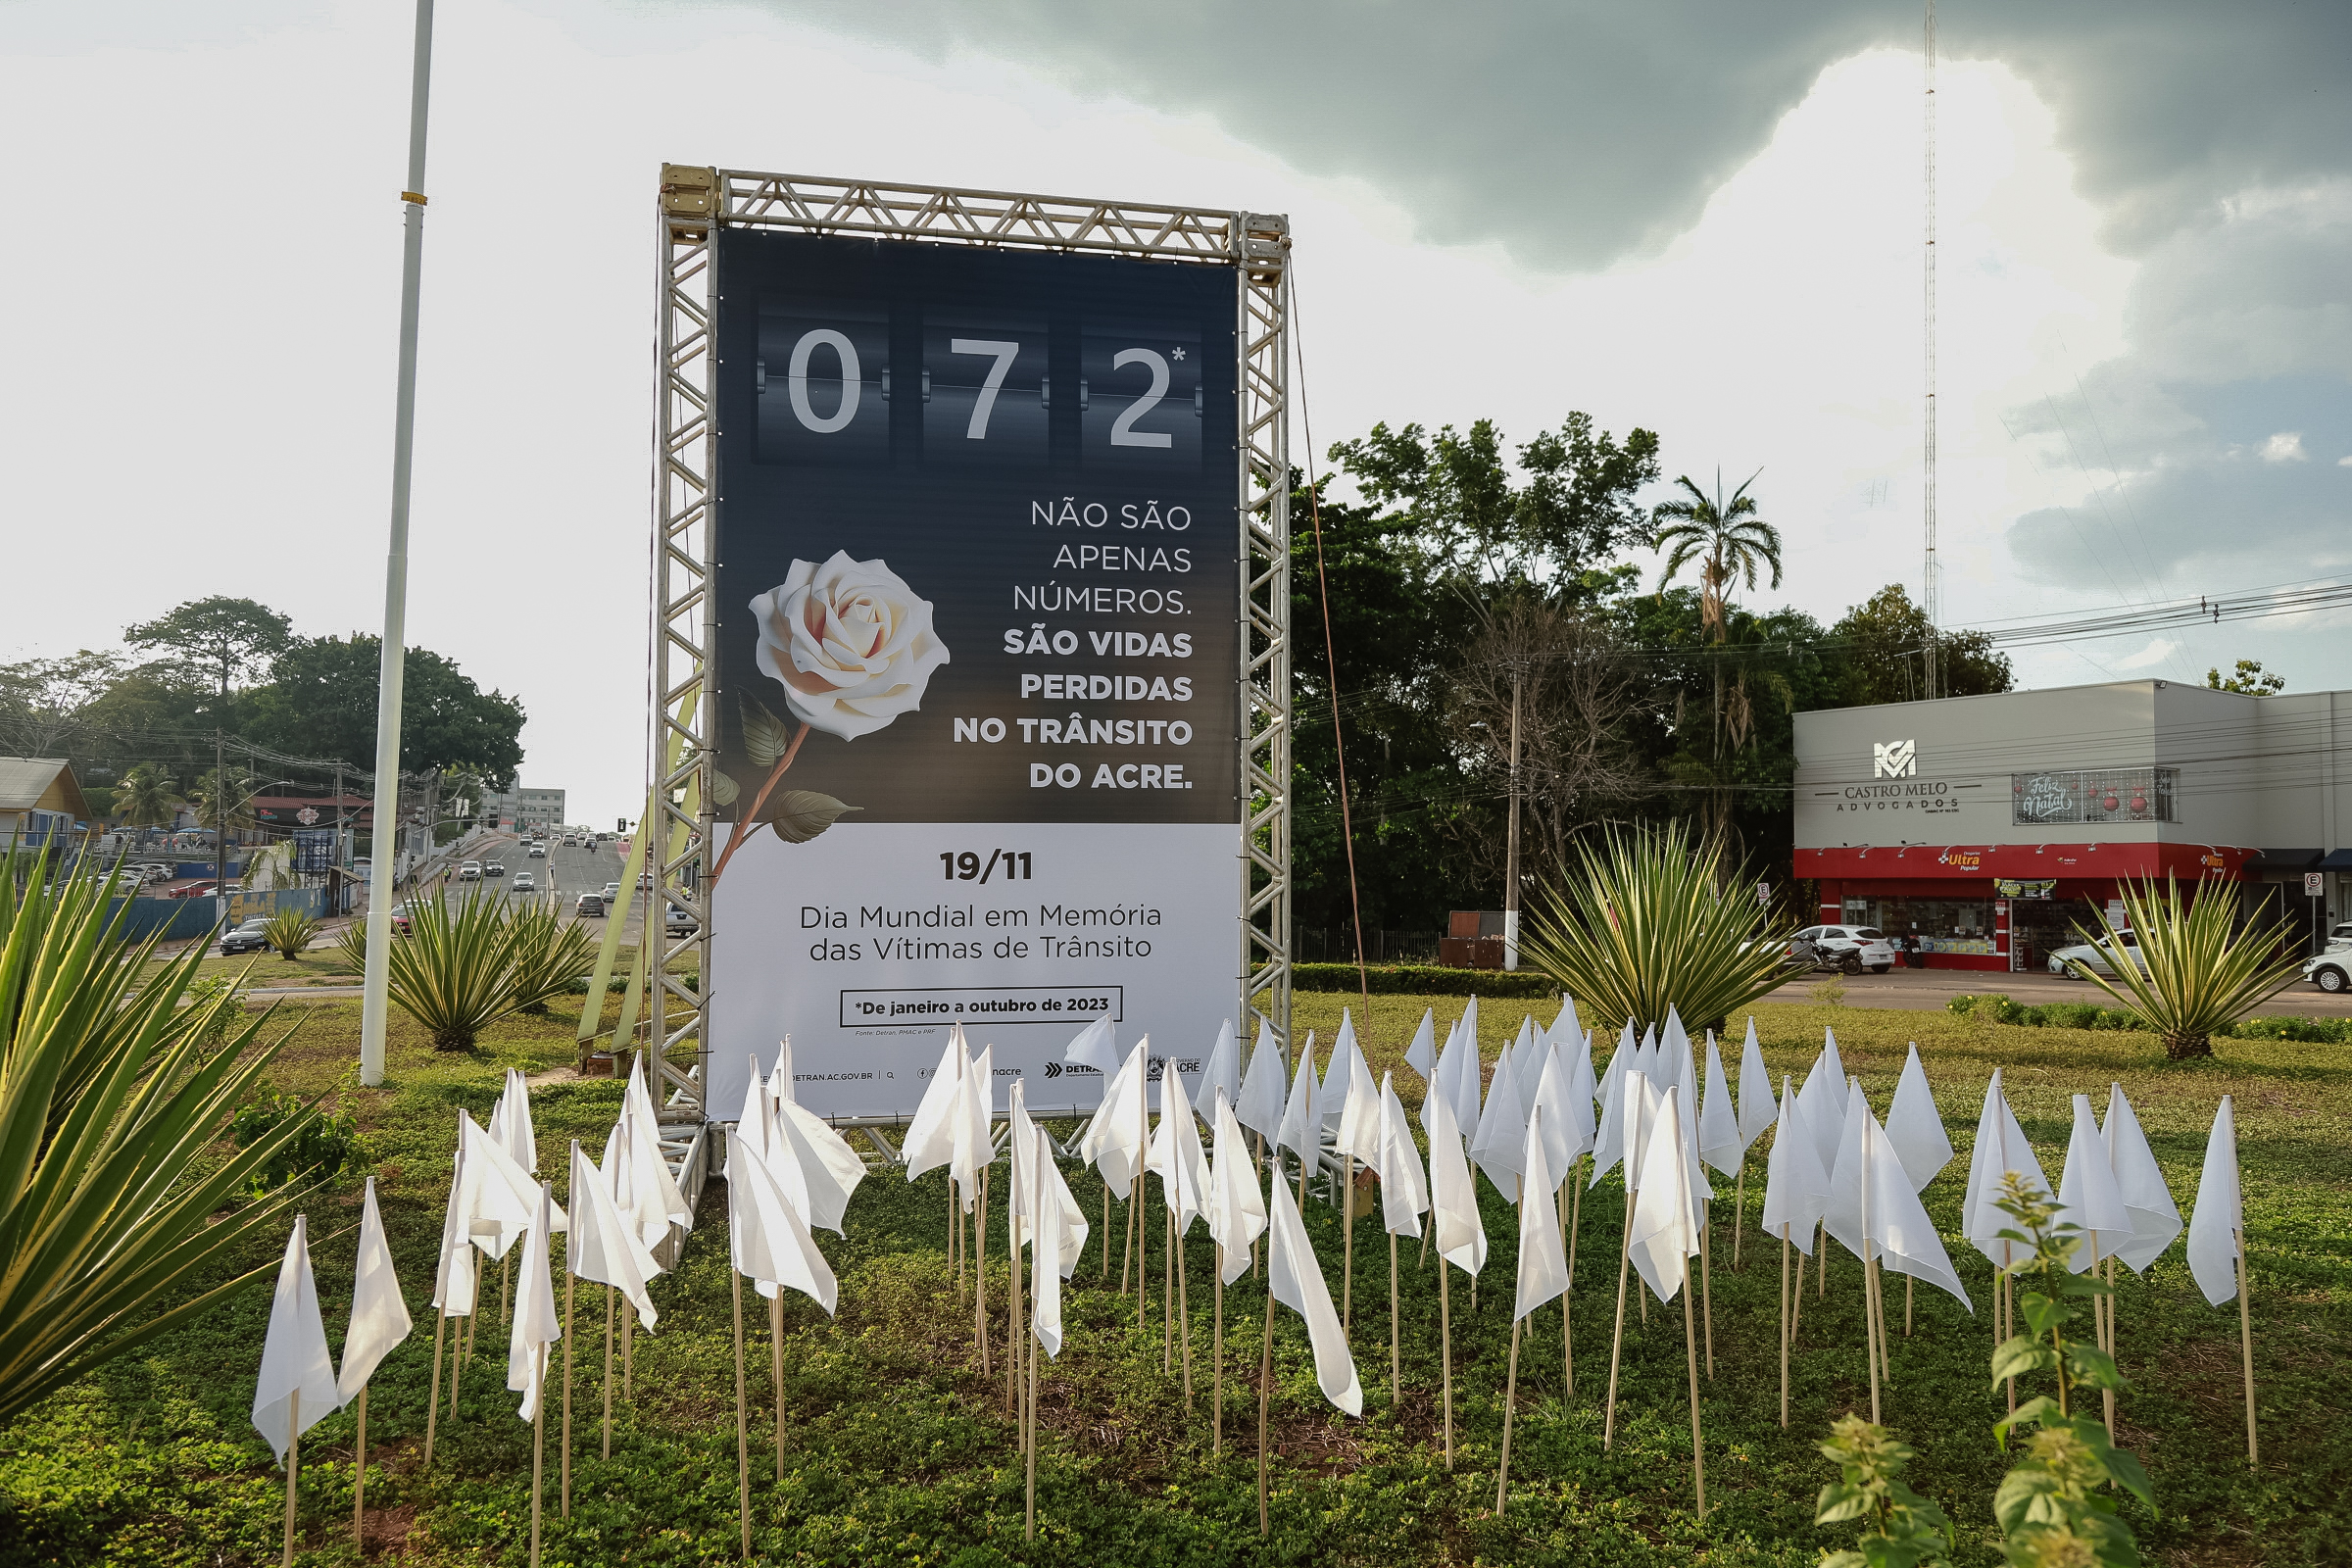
<point x="752" y="816"/>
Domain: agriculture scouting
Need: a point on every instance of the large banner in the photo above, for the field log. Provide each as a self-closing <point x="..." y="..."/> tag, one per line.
<point x="980" y="718"/>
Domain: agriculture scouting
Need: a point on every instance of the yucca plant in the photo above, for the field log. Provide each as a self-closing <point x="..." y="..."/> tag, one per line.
<point x="1641" y="926"/>
<point x="451" y="972"/>
<point x="290" y="931"/>
<point x="113" y="1098"/>
<point x="548" y="956"/>
<point x="2201" y="973"/>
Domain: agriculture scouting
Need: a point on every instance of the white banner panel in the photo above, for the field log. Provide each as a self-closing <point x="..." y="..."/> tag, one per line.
<point x="867" y="941"/>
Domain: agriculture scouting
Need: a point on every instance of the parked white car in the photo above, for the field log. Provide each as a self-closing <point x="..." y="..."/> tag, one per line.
<point x="1849" y="949"/>
<point x="2095" y="955"/>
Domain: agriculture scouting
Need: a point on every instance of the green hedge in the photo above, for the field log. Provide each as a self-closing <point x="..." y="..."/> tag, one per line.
<point x="1422" y="980"/>
<point x="2090" y="1015"/>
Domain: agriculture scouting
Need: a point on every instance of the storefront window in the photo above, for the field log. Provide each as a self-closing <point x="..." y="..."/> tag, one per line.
<point x="1941" y="925"/>
<point x="2093" y="796"/>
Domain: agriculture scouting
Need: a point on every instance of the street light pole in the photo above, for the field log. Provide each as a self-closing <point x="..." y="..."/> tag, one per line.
<point x="374" y="996"/>
<point x="1510" y="871"/>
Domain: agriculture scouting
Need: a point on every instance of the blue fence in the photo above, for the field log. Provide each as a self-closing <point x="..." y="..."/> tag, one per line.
<point x="181" y="918"/>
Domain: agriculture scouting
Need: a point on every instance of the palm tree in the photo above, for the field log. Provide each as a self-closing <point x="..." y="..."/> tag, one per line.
<point x="146" y="797"/>
<point x="225" y="799"/>
<point x="1730" y="543"/>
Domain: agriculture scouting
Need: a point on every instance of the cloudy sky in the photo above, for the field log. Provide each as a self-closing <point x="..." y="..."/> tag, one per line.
<point x="1702" y="218"/>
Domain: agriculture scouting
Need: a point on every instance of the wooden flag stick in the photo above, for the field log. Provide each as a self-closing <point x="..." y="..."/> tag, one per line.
<point x="1261" y="1160"/>
<point x="743" y="1427"/>
<point x="1784" y="1251"/>
<point x="1012" y="1315"/>
<point x="359" y="1481"/>
<point x="432" y="1409"/>
<point x="1821" y="1270"/>
<point x="1446" y="1345"/>
<point x="1877" y="1275"/>
<point x="1706" y="1295"/>
<point x="1184" y="1321"/>
<point x="2245" y="1345"/>
<point x="564" y="1466"/>
<point x="1698" y="1453"/>
<point x="980" y="1271"/>
<point x="1168" y="1289"/>
<point x="1870" y="1336"/>
<point x="1347" y="1243"/>
<point x="1908" y="1282"/>
<point x="538" y="1447"/>
<point x="1511" y="1405"/>
<point x="1028" y="1352"/>
<point x="608" y="1294"/>
<point x="1217" y="1363"/>
<point x="628" y="1352"/>
<point x="1106" y="1230"/>
<point x="1796" y="1299"/>
<point x="1396" y="1341"/>
<point x="506" y="1265"/>
<point x="1127" y="1247"/>
<point x="1265" y="1396"/>
<point x="955" y="1240"/>
<point x="1625" y="1264"/>
<point x="293" y="1459"/>
<point x="774" y="1376"/>
<point x="1142" y="1255"/>
<point x="1740" y="1213"/>
<point x="1575" y="1200"/>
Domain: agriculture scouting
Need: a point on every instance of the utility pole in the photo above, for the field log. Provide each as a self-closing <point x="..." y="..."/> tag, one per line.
<point x="1932" y="594"/>
<point x="375" y="995"/>
<point x="1510" y="863"/>
<point x="219" y="826"/>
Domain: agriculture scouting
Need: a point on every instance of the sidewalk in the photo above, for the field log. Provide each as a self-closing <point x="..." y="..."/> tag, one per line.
<point x="1929" y="989"/>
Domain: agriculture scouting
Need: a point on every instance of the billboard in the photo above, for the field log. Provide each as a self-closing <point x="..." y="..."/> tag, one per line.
<point x="979" y="715"/>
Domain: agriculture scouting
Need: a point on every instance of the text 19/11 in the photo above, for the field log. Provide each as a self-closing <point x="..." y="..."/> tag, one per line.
<point x="965" y="865"/>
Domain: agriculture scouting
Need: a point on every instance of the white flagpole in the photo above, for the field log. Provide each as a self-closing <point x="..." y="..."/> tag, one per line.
<point x="293" y="1445"/>
<point x="2245" y="1345"/>
<point x="1699" y="1453"/>
<point x="1785" y="1248"/>
<point x="1510" y="1404"/>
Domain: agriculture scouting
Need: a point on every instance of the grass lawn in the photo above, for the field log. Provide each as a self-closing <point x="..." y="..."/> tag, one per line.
<point x="899" y="1450"/>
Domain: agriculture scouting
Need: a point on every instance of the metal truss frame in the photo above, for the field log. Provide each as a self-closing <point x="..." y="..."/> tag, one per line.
<point x="695" y="203"/>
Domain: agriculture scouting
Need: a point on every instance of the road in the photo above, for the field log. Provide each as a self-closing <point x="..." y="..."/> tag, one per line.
<point x="1929" y="989"/>
<point x="567" y="872"/>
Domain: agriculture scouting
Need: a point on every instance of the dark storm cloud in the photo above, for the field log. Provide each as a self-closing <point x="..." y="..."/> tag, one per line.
<point x="1581" y="132"/>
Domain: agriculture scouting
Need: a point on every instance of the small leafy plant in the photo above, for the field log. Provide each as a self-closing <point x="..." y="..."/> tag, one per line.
<point x="1900" y="1528"/>
<point x="2051" y="1508"/>
<point x="325" y="1149"/>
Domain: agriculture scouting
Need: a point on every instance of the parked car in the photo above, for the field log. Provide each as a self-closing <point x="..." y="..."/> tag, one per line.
<point x="589" y="906"/>
<point x="400" y="919"/>
<point x="246" y="938"/>
<point x="2331" y="970"/>
<point x="2095" y="955"/>
<point x="524" y="882"/>
<point x="678" y="922"/>
<point x="1848" y="949"/>
<point x="471" y="872"/>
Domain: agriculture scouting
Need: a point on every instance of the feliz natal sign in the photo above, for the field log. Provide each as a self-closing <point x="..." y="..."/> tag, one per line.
<point x="979" y="673"/>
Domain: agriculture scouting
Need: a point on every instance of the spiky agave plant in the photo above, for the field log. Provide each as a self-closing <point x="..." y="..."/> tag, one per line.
<point x="1641" y="926"/>
<point x="453" y="972"/>
<point x="548" y="956"/>
<point x="290" y="931"/>
<point x="112" y="1096"/>
<point x="2202" y="972"/>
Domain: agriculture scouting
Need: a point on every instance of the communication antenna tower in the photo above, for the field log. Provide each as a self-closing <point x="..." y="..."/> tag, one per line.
<point x="1931" y="597"/>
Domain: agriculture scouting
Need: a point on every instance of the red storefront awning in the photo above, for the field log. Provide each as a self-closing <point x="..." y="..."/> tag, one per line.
<point x="1976" y="862"/>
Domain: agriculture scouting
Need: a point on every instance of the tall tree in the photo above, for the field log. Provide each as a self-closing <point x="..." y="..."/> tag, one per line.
<point x="221" y="641"/>
<point x="1880" y="642"/>
<point x="223" y="798"/>
<point x="1732" y="544"/>
<point x="320" y="702"/>
<point x="2248" y="679"/>
<point x="43" y="701"/>
<point x="146" y="797"/>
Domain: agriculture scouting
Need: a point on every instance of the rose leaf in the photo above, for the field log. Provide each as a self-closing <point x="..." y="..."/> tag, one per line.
<point x="799" y="816"/>
<point x="765" y="736"/>
<point x="723" y="788"/>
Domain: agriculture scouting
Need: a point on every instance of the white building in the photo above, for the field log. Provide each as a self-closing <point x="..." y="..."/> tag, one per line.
<point x="528" y="809"/>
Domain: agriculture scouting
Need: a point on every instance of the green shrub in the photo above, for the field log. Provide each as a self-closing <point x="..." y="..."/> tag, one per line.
<point x="2314" y="1031"/>
<point x="290" y="931"/>
<point x="1422" y="980"/>
<point x="327" y="1144"/>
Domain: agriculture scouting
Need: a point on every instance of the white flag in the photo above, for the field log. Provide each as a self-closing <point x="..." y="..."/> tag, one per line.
<point x="1462" y="1088"/>
<point x="1113" y="1143"/>
<point x="1258" y="1106"/>
<point x="1577" y="1053"/>
<point x="2088" y="1194"/>
<point x="1608" y="1136"/>
<point x="1796" y="1188"/>
<point x="1719" y="1141"/>
<point x="1301" y="1129"/>
<point x="830" y="1169"/>
<point x="1567" y="1029"/>
<point x="1874" y="1210"/>
<point x="536" y="1325"/>
<point x="1637" y="1112"/>
<point x="1915" y="1127"/>
<point x="1359" y="1115"/>
<point x="642" y="1183"/>
<point x="1175" y="1154"/>
<point x="1237" y="1207"/>
<point x="1662" y="1238"/>
<point x="931" y="1136"/>
<point x="379" y="1317"/>
<point x="510" y="1123"/>
<point x="2219" y="1220"/>
<point x="1331" y="1099"/>
<point x="1500" y="1147"/>
<point x="1422" y="1054"/>
<point x="1296" y="1280"/>
<point x="2000" y="1147"/>
<point x="605" y="1246"/>
<point x="768" y="1242"/>
<point x="2155" y="1220"/>
<point x="1757" y="1108"/>
<point x="1049" y="1259"/>
<point x="1223" y="1074"/>
<point x="501" y="1197"/>
<point x="1824" y="1095"/>
<point x="1459" y="1232"/>
<point x="973" y="1127"/>
<point x="1404" y="1187"/>
<point x="1554" y="1111"/>
<point x="294" y="1354"/>
<point x="1542" y="1262"/>
<point x="1096" y="1045"/>
<point x="1441" y="1082"/>
<point x="453" y="1275"/>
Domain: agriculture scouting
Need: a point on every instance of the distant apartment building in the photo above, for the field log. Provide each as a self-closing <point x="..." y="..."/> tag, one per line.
<point x="528" y="809"/>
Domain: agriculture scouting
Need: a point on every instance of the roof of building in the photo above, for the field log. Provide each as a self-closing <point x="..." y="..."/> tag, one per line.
<point x="26" y="781"/>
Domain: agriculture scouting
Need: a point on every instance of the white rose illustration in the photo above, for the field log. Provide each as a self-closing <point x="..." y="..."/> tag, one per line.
<point x="850" y="642"/>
